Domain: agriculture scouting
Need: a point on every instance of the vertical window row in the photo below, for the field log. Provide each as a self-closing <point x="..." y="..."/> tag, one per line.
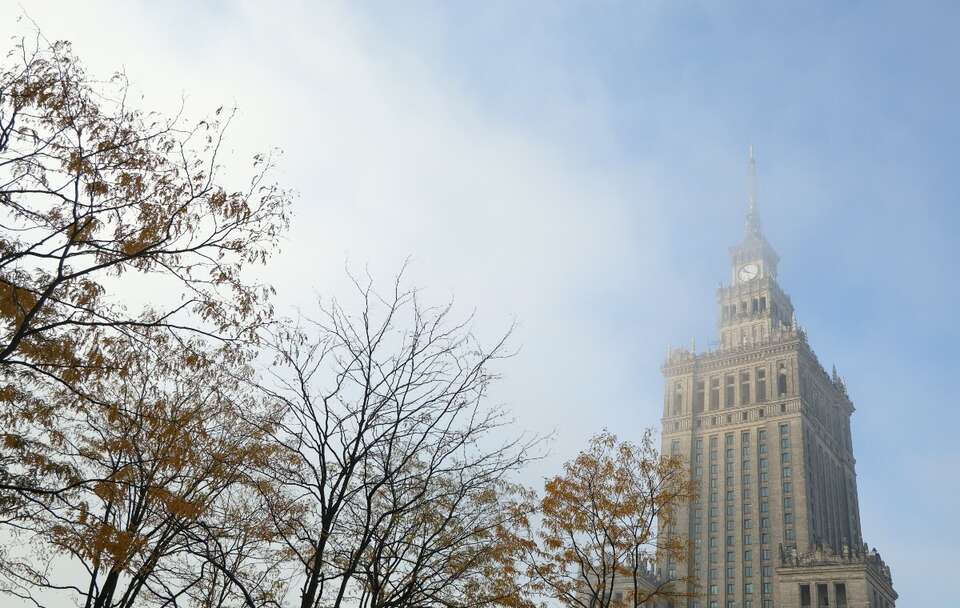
<point x="713" y="525"/>
<point x="766" y="587"/>
<point x="786" y="477"/>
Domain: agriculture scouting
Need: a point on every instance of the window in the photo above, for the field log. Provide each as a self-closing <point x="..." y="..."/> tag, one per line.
<point x="787" y="472"/>
<point x="805" y="596"/>
<point x="822" y="598"/>
<point x="765" y="554"/>
<point x="747" y="539"/>
<point x="747" y="524"/>
<point x="761" y="375"/>
<point x="698" y="396"/>
<point x="747" y="573"/>
<point x="747" y="555"/>
<point x="714" y="393"/>
<point x="677" y="399"/>
<point x="675" y="446"/>
<point x="840" y="595"/>
<point x="785" y="457"/>
<point x="729" y="382"/>
<point x="784" y="430"/>
<point x="748" y="588"/>
<point x="761" y="435"/>
<point x="744" y="388"/>
<point x="781" y="379"/>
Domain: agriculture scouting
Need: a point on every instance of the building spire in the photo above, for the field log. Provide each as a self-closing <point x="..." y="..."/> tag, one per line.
<point x="753" y="218"/>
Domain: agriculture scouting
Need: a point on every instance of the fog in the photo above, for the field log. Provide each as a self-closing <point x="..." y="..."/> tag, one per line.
<point x="582" y="171"/>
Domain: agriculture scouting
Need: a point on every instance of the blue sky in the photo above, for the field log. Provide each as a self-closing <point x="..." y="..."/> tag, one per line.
<point x="581" y="168"/>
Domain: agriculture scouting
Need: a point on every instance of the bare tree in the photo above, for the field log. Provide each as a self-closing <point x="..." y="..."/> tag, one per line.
<point x="395" y="477"/>
<point x="605" y="525"/>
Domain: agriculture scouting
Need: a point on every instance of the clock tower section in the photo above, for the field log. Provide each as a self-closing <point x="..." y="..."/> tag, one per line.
<point x="753" y="307"/>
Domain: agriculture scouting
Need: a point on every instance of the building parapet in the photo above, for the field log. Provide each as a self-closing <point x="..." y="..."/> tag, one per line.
<point x="678" y="356"/>
<point x="790" y="557"/>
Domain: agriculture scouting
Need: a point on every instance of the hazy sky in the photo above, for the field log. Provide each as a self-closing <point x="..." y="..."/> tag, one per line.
<point x="581" y="168"/>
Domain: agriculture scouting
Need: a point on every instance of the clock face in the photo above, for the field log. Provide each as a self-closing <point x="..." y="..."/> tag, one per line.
<point x="748" y="272"/>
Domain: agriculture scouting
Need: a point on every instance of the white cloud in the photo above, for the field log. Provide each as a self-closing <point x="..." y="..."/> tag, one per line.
<point x="391" y="161"/>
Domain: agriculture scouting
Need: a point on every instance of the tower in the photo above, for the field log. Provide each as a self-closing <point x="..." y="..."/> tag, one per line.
<point x="766" y="431"/>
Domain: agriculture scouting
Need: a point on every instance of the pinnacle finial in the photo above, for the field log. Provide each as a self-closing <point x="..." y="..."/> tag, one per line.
<point x="753" y="218"/>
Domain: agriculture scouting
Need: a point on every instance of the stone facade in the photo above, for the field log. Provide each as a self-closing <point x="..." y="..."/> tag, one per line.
<point x="767" y="433"/>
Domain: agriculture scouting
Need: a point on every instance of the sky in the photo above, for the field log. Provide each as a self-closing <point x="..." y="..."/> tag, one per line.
<point x="580" y="169"/>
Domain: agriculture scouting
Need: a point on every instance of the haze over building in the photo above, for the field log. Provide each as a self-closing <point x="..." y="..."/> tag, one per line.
<point x="767" y="432"/>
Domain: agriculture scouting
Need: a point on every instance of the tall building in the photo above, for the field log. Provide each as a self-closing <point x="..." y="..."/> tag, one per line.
<point x="767" y="433"/>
